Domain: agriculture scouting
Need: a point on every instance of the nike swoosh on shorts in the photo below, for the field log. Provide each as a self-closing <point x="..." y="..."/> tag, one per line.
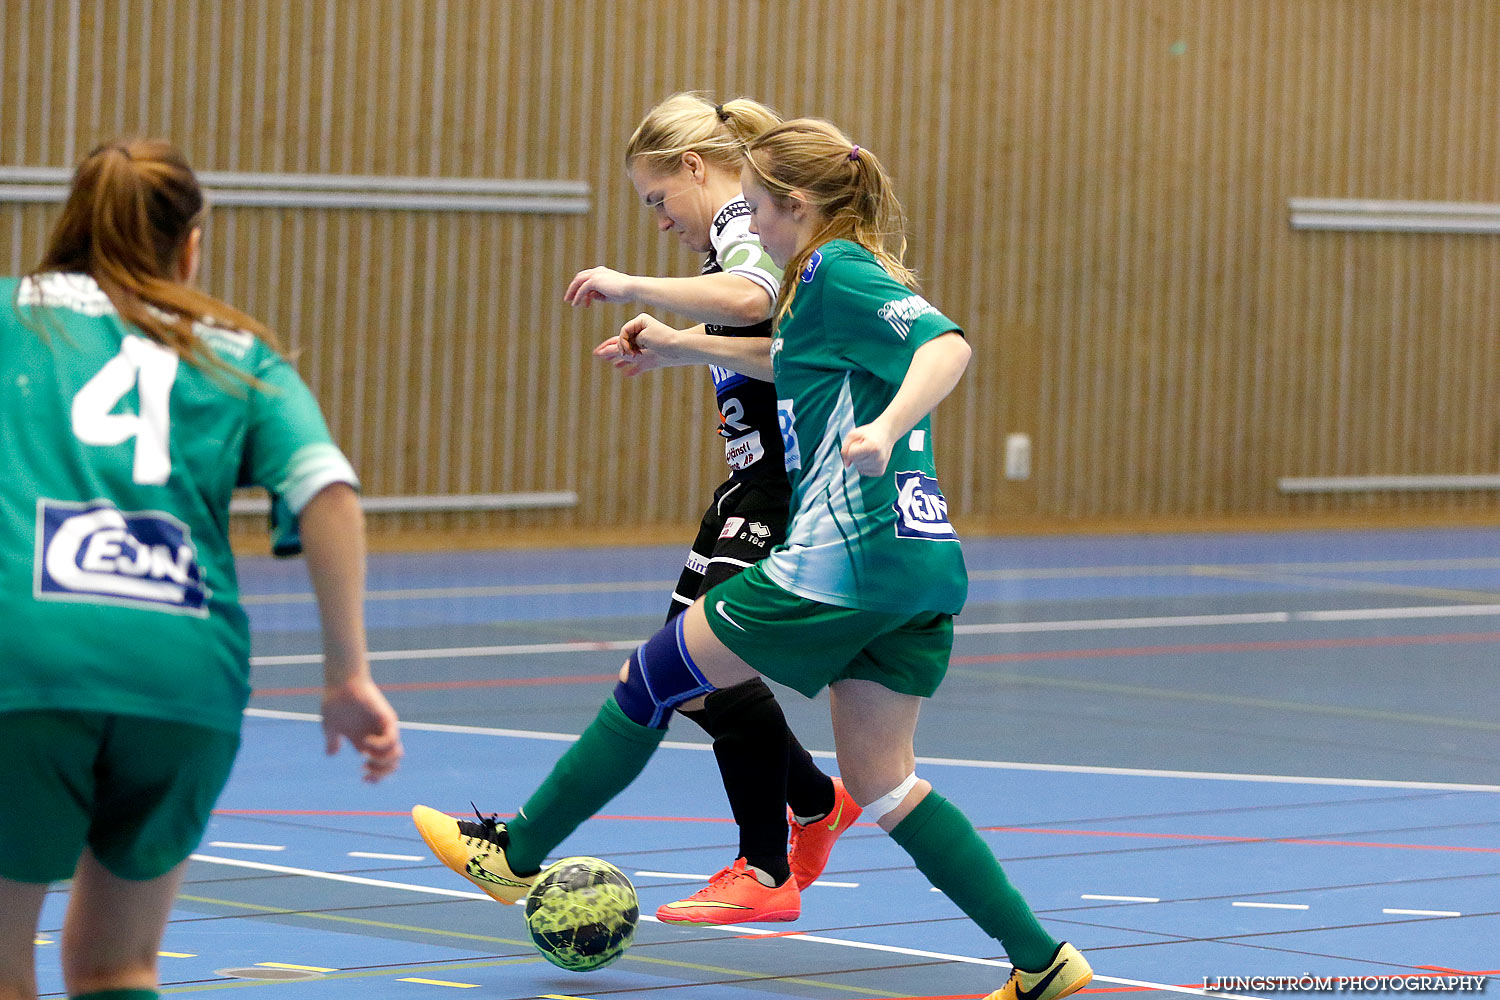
<point x="725" y="615"/>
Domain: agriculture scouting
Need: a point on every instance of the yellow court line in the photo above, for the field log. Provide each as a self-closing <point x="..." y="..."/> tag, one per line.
<point x="176" y="954"/>
<point x="439" y="982"/>
<point x="483" y="964"/>
<point x="299" y="968"/>
<point x="42" y="940"/>
<point x="559" y="996"/>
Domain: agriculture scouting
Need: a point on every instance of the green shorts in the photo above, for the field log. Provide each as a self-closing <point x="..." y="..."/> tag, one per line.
<point x="137" y="791"/>
<point x="807" y="645"/>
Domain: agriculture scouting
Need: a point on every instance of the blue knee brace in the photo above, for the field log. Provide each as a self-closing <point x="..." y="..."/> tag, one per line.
<point x="662" y="676"/>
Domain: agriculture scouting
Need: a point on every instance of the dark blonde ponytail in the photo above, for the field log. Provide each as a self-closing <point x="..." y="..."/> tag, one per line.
<point x="845" y="183"/>
<point x="126" y="224"/>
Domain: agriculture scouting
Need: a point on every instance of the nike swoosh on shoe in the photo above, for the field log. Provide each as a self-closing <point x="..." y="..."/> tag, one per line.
<point x="684" y="904"/>
<point x="482" y="873"/>
<point x="1041" y="987"/>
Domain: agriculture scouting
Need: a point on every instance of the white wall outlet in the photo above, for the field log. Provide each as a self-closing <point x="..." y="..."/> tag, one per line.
<point x="1018" y="456"/>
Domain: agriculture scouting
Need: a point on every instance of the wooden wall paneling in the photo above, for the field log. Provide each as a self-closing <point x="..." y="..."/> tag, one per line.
<point x="1097" y="191"/>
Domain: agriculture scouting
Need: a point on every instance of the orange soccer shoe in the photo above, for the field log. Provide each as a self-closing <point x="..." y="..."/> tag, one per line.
<point x="812" y="843"/>
<point x="735" y="896"/>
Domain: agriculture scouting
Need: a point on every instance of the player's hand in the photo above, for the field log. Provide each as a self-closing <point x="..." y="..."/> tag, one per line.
<point x="617" y="353"/>
<point x="867" y="449"/>
<point x="358" y="712"/>
<point x="644" y="344"/>
<point x="599" y="284"/>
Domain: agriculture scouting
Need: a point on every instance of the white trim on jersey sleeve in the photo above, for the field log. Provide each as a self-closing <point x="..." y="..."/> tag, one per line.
<point x="734" y="238"/>
<point x="311" y="468"/>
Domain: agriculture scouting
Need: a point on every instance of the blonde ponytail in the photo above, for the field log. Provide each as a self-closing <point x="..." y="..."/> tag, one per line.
<point x="689" y="122"/>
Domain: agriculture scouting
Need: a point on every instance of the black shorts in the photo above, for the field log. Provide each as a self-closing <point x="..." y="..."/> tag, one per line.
<point x="744" y="523"/>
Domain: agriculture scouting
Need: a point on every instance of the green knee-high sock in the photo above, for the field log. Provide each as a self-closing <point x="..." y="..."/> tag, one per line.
<point x="119" y="995"/>
<point x="606" y="758"/>
<point x="946" y="848"/>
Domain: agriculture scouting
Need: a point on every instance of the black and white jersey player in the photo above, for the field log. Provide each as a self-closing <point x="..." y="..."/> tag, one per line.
<point x="748" y="515"/>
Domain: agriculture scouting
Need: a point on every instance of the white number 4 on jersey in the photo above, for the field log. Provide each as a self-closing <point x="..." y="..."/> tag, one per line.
<point x="151" y="369"/>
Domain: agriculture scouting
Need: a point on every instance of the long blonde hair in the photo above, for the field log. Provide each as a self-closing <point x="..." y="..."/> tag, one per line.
<point x="126" y="223"/>
<point x="845" y="183"/>
<point x="689" y="122"/>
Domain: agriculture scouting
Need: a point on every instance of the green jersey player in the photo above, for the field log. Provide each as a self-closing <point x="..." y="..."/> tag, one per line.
<point x="860" y="597"/>
<point x="684" y="161"/>
<point x="131" y="406"/>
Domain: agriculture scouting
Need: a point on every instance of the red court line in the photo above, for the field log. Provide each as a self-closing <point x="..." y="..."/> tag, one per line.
<point x="1238" y="840"/>
<point x="1137" y="989"/>
<point x="1459" y="972"/>
<point x="977" y="996"/>
<point x="986" y="829"/>
<point x="497" y="682"/>
<point x="1274" y="645"/>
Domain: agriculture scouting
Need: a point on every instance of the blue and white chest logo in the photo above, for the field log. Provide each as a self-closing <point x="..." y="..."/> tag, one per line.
<point x="811" y="267"/>
<point x="921" y="510"/>
<point x="98" y="553"/>
<point x="724" y="378"/>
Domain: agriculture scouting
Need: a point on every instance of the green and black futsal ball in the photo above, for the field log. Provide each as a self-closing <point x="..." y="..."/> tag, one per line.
<point x="582" y="914"/>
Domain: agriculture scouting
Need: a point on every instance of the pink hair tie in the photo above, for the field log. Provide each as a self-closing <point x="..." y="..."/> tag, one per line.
<point x="853" y="154"/>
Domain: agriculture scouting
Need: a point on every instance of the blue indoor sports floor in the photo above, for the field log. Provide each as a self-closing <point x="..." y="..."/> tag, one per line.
<point x="1198" y="756"/>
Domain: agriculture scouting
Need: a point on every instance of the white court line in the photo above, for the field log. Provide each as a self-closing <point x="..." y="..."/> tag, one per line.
<point x="499" y="590"/>
<point x="685" y="876"/>
<point x="748" y="931"/>
<point x="457" y="652"/>
<point x="261" y="866"/>
<point x="386" y="857"/>
<point x="1381" y="614"/>
<point x="1003" y="765"/>
<point x="1122" y="899"/>
<point x="1423" y="913"/>
<point x="1034" y="573"/>
<point x="1109" y="624"/>
<point x="247" y="847"/>
<point x="992" y="628"/>
<point x="1272" y="906"/>
<point x="689" y="877"/>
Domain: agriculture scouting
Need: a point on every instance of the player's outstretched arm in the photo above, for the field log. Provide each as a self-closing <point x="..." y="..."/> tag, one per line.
<point x="725" y="299"/>
<point x="935" y="369"/>
<point x="646" y="344"/>
<point x="333" y="538"/>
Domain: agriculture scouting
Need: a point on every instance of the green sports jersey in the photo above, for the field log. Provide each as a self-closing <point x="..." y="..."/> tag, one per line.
<point x="117" y="584"/>
<point x="881" y="543"/>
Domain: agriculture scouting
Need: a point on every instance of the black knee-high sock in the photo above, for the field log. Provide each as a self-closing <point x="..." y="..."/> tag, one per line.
<point x="808" y="790"/>
<point x="755" y="752"/>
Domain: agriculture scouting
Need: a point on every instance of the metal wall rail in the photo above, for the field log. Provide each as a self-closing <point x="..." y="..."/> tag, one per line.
<point x="275" y="190"/>
<point x="1381" y="484"/>
<point x="1366" y="215"/>
<point x="460" y="502"/>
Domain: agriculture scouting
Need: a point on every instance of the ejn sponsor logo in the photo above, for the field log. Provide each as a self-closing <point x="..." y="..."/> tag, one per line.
<point x="921" y="509"/>
<point x="97" y="552"/>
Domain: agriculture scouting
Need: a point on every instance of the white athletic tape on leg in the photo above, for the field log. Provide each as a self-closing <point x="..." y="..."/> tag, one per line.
<point x="890" y="800"/>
